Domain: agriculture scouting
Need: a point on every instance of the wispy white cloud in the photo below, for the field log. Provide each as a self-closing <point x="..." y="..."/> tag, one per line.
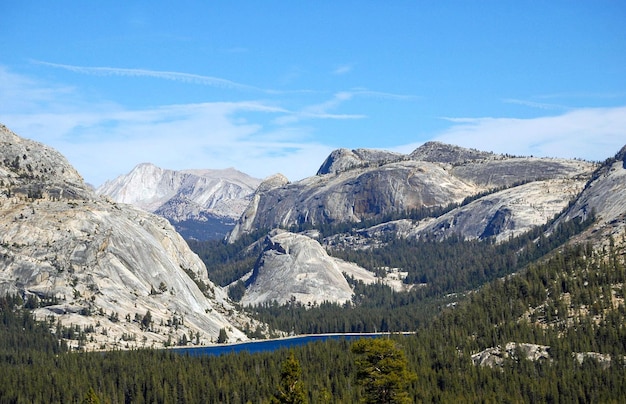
<point x="363" y="92"/>
<point x="157" y="74"/>
<point x="321" y="110"/>
<point x="109" y="143"/>
<point x="582" y="95"/>
<point x="585" y="133"/>
<point x="539" y="105"/>
<point x="343" y="69"/>
<point x="103" y="139"/>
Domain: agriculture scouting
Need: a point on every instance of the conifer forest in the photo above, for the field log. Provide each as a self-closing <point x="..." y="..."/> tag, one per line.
<point x="571" y="302"/>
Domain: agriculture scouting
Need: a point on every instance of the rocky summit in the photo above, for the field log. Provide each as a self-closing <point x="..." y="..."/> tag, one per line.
<point x="201" y="204"/>
<point x="358" y="185"/>
<point x="295" y="267"/>
<point x="88" y="262"/>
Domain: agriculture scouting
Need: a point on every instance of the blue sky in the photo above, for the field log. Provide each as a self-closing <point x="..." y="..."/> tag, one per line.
<point x="275" y="86"/>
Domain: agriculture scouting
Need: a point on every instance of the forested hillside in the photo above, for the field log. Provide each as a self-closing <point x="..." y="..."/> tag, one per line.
<point x="440" y="272"/>
<point x="572" y="302"/>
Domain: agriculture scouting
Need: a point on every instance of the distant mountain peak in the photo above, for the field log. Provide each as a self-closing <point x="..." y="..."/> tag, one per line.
<point x="439" y="152"/>
<point x="345" y="159"/>
<point x="209" y="194"/>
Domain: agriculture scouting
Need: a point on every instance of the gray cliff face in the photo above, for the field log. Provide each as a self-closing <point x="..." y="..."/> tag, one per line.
<point x="354" y="195"/>
<point x="90" y="261"/>
<point x="196" y="195"/>
<point x="507" y="213"/>
<point x="355" y="185"/>
<point x="294" y="267"/>
<point x="605" y="196"/>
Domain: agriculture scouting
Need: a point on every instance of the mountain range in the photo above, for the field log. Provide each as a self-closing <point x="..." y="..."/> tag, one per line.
<point x="468" y="193"/>
<point x="95" y="260"/>
<point x="436" y="192"/>
<point x="360" y="185"/>
<point x="201" y="204"/>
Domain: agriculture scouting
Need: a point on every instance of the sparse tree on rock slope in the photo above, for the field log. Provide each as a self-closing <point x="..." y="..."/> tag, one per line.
<point x="222" y="337"/>
<point x="382" y="370"/>
<point x="291" y="389"/>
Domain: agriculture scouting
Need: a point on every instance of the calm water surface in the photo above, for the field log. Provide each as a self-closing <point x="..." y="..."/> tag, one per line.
<point x="268" y="345"/>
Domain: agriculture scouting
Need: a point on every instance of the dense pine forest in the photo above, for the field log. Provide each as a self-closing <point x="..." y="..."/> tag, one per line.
<point x="572" y="302"/>
<point x="444" y="271"/>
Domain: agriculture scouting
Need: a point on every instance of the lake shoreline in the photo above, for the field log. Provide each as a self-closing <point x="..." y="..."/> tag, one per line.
<point x="265" y="345"/>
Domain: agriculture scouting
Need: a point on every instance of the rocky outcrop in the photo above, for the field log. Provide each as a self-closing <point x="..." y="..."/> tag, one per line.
<point x="507" y="172"/>
<point x="516" y="351"/>
<point x="343" y="160"/>
<point x="438" y="152"/>
<point x="604" y="196"/>
<point x="214" y="197"/>
<point x="96" y="264"/>
<point x="352" y="186"/>
<point x="295" y="268"/>
<point x="495" y="357"/>
<point x="605" y="193"/>
<point x="354" y="195"/>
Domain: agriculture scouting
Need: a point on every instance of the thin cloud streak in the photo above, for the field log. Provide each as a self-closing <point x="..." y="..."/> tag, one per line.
<point x="362" y="92"/>
<point x="321" y="110"/>
<point x="164" y="75"/>
<point x="539" y="105"/>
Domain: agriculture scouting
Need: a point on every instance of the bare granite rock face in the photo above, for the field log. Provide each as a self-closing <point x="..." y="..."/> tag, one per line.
<point x="507" y="213"/>
<point x="605" y="193"/>
<point x="352" y="186"/>
<point x="294" y="267"/>
<point x="216" y="197"/>
<point x="91" y="262"/>
<point x="354" y="195"/>
<point x="438" y="152"/>
<point x="494" y="357"/>
<point x="343" y="160"/>
<point x="605" y="197"/>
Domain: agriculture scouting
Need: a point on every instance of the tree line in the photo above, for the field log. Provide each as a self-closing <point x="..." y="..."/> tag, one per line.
<point x="444" y="271"/>
<point x="562" y="301"/>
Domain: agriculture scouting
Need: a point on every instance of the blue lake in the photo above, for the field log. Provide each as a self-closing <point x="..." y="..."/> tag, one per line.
<point x="268" y="345"/>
